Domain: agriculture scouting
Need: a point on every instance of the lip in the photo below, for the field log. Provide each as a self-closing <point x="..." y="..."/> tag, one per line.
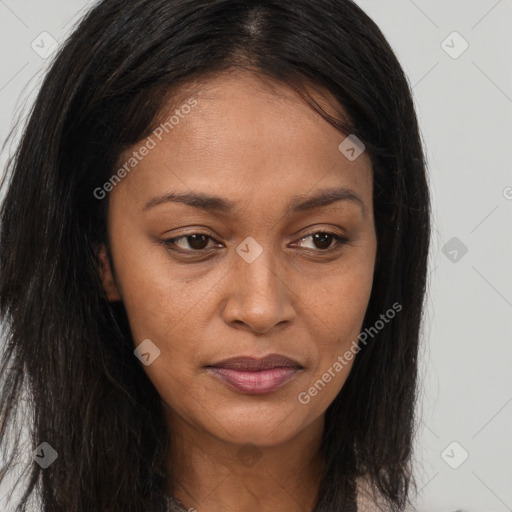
<point x="255" y="376"/>
<point x="250" y="363"/>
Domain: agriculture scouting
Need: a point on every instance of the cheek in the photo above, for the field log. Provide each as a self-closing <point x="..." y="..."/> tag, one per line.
<point x="340" y="301"/>
<point x="160" y="309"/>
<point x="159" y="297"/>
<point x="337" y="309"/>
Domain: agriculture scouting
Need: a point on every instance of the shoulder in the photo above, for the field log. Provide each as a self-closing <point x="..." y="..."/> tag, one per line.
<point x="370" y="500"/>
<point x="367" y="498"/>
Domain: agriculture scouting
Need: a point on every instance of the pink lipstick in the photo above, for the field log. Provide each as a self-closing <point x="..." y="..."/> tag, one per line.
<point x="256" y="376"/>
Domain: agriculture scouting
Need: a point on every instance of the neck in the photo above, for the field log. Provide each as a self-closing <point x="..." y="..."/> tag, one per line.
<point x="215" y="475"/>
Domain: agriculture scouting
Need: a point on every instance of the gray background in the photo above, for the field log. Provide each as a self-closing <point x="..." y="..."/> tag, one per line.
<point x="464" y="104"/>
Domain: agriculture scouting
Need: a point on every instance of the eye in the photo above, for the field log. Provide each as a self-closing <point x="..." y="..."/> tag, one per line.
<point x="196" y="242"/>
<point x="325" y="241"/>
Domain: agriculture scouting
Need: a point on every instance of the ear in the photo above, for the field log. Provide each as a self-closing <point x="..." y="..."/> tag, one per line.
<point x="107" y="277"/>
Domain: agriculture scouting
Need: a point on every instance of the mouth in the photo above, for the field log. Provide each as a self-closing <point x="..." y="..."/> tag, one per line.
<point x="254" y="376"/>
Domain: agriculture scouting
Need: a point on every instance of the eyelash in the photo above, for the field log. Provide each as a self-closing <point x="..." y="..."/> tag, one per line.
<point x="170" y="242"/>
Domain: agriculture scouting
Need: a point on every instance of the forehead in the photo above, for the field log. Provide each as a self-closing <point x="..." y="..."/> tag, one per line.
<point x="247" y="135"/>
<point x="237" y="103"/>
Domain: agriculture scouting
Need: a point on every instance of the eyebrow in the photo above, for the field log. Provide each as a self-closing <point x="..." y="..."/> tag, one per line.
<point x="300" y="203"/>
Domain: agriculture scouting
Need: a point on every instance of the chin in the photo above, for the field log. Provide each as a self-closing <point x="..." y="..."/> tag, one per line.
<point x="260" y="432"/>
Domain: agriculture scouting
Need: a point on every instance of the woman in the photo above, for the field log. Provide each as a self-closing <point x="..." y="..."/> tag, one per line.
<point x="213" y="263"/>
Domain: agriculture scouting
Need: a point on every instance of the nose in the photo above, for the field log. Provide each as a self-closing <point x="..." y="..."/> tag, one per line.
<point x="258" y="295"/>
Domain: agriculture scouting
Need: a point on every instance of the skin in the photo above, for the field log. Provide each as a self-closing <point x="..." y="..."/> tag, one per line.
<point x="256" y="143"/>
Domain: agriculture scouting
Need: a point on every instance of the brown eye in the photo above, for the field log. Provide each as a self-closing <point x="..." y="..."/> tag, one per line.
<point x="198" y="242"/>
<point x="195" y="242"/>
<point x="323" y="240"/>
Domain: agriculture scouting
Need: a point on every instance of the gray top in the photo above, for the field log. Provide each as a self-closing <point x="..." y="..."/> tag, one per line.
<point x="174" y="505"/>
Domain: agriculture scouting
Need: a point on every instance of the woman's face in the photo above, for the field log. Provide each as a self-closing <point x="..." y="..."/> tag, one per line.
<point x="242" y="165"/>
